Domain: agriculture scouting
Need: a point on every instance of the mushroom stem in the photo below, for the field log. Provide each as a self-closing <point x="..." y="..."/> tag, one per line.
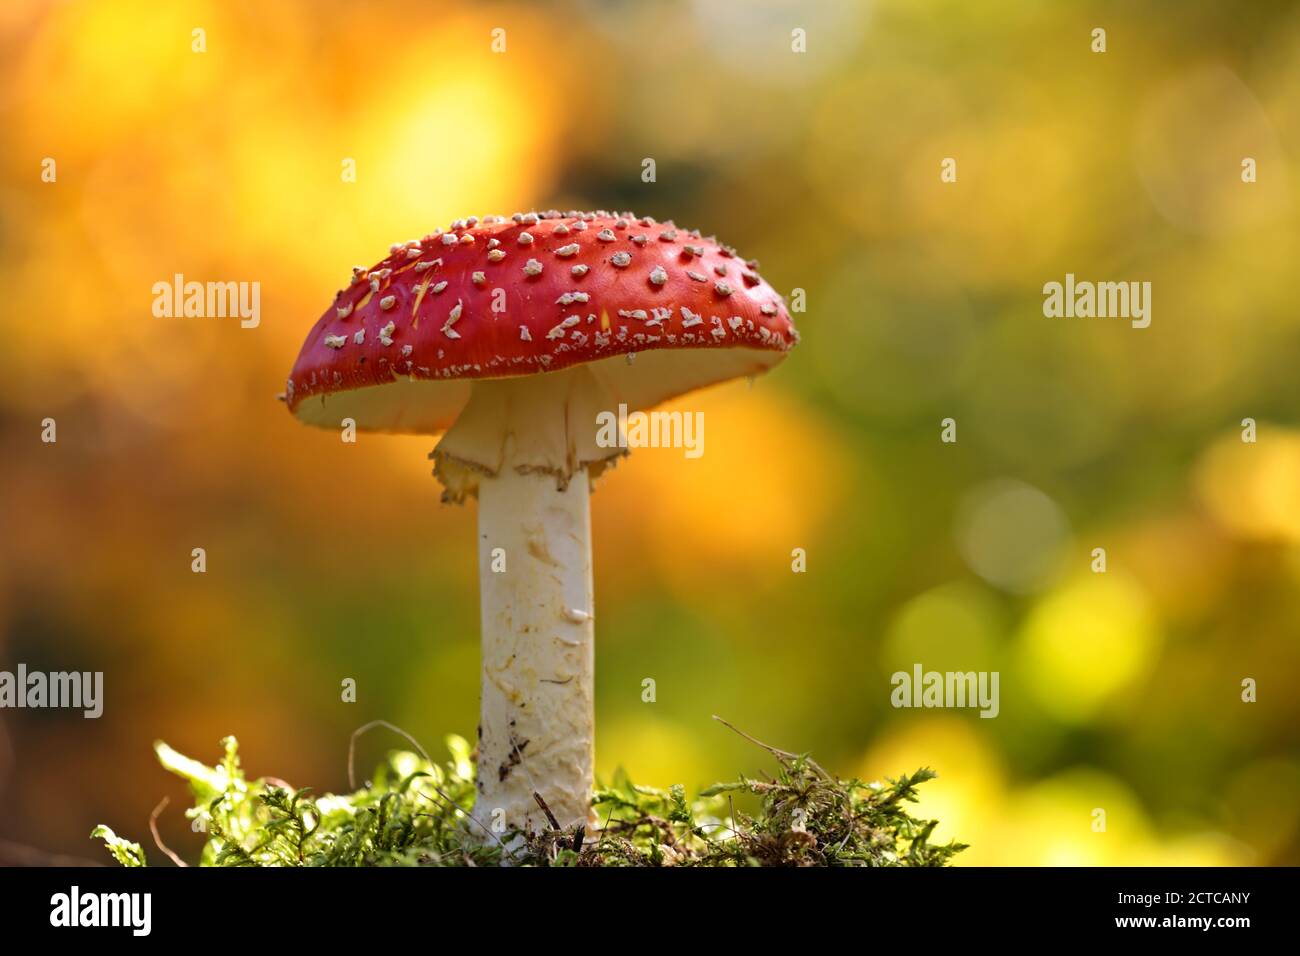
<point x="527" y="448"/>
<point x="536" y="733"/>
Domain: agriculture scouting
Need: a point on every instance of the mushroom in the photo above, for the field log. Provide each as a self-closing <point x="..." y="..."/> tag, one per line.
<point x="514" y="372"/>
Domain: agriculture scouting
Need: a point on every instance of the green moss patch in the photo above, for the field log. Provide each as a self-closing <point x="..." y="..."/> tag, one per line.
<point x="415" y="812"/>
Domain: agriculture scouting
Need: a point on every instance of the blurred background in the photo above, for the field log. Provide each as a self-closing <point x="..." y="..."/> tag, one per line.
<point x="327" y="561"/>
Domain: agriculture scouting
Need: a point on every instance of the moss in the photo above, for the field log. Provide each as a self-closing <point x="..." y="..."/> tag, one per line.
<point x="414" y="812"/>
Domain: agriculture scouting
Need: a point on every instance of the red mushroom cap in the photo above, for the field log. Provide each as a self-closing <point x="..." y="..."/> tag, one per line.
<point x="541" y="292"/>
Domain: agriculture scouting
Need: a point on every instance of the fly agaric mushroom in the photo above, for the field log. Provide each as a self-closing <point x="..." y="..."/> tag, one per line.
<point x="511" y="337"/>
